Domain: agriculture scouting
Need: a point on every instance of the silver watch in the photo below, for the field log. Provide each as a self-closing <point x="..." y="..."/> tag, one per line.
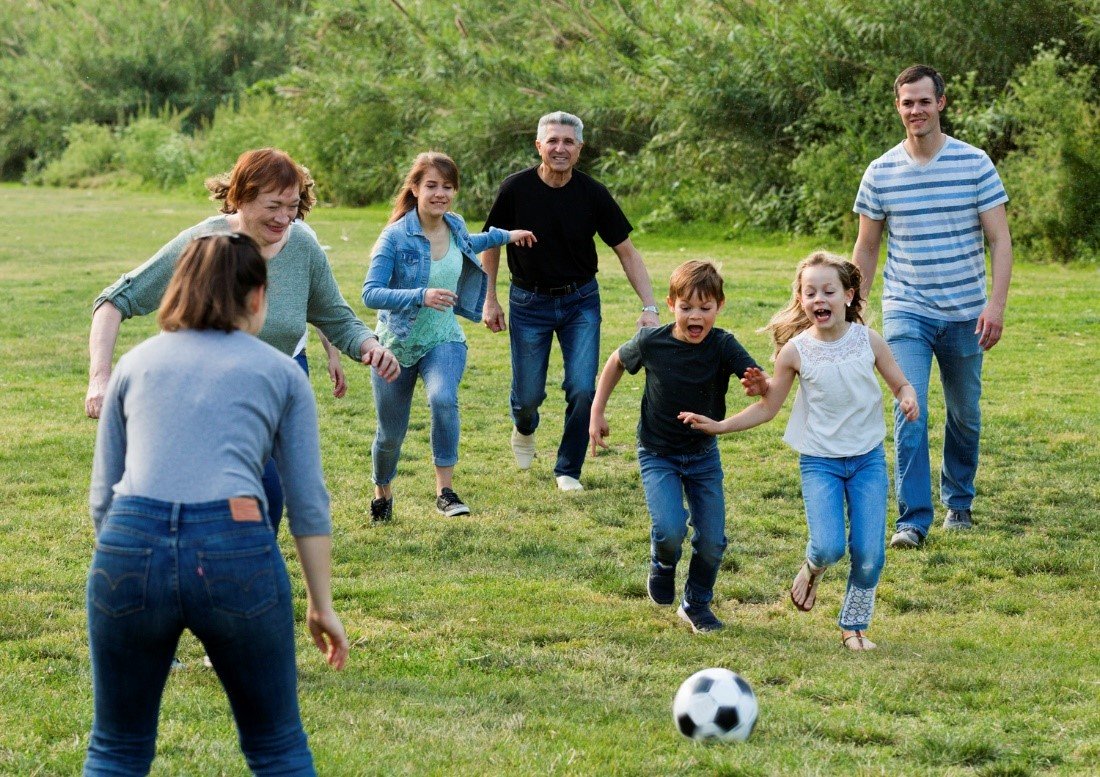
<point x="649" y="309"/>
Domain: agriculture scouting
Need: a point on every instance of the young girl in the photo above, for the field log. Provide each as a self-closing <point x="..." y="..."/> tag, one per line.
<point x="836" y="425"/>
<point x="424" y="269"/>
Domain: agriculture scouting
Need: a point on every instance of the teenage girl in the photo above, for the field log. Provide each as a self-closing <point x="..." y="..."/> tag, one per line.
<point x="837" y="427"/>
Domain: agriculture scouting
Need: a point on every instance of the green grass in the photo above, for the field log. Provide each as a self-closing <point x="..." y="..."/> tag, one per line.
<point x="519" y="640"/>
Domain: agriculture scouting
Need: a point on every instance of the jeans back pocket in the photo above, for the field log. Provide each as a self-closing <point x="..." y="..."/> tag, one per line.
<point x="240" y="582"/>
<point x="119" y="579"/>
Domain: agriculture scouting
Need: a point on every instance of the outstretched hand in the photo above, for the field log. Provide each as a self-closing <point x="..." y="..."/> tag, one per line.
<point x="755" y="382"/>
<point x="384" y="363"/>
<point x="701" y="423"/>
<point x="522" y="237"/>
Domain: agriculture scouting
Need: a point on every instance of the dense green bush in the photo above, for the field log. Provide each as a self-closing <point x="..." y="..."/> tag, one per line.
<point x="758" y="115"/>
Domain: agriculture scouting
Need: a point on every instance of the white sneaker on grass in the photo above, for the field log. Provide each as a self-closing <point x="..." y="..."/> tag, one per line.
<point x="567" y="483"/>
<point x="523" y="448"/>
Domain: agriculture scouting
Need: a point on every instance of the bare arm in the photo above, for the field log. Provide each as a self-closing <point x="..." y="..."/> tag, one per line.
<point x="101" y="350"/>
<point x="865" y="253"/>
<point x="634" y="267"/>
<point x="598" y="429"/>
<point x="315" y="555"/>
<point x="761" y="411"/>
<point x="991" y="321"/>
<point x="492" y="314"/>
<point x="895" y="378"/>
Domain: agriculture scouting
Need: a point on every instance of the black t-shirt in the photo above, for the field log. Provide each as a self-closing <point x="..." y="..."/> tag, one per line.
<point x="564" y="220"/>
<point x="681" y="376"/>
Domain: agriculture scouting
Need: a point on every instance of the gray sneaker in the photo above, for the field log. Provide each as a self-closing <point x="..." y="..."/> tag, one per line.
<point x="957" y="519"/>
<point x="906" y="538"/>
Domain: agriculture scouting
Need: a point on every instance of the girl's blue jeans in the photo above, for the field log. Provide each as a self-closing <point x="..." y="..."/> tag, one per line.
<point x="667" y="480"/>
<point x="915" y="340"/>
<point x="860" y="483"/>
<point x="441" y="369"/>
<point x="160" y="568"/>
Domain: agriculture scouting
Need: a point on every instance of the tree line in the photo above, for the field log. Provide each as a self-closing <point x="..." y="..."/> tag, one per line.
<point x="756" y="114"/>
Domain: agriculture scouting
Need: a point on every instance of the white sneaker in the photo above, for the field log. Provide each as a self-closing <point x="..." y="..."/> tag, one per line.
<point x="523" y="447"/>
<point x="567" y="483"/>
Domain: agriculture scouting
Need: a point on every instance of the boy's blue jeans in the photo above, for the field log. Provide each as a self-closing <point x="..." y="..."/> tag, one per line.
<point x="914" y="340"/>
<point x="534" y="320"/>
<point x="667" y="480"/>
<point x="861" y="483"/>
<point x="441" y="368"/>
<point x="160" y="568"/>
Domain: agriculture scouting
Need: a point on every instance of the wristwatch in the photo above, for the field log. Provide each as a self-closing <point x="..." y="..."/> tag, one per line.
<point x="649" y="309"/>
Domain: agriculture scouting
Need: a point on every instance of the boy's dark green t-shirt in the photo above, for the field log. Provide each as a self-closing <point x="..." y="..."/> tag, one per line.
<point x="681" y="376"/>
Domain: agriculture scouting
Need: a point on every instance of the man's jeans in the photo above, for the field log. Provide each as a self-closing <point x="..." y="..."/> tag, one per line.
<point x="667" y="480"/>
<point x="160" y="568"/>
<point x="914" y="340"/>
<point x="861" y="482"/>
<point x="535" y="319"/>
<point x="441" y="368"/>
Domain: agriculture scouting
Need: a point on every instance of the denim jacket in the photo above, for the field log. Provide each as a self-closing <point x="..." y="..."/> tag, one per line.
<point x="401" y="260"/>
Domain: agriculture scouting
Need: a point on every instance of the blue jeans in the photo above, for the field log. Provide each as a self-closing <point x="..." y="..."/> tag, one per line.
<point x="666" y="481"/>
<point x="441" y="369"/>
<point x="273" y="486"/>
<point x="914" y="340"/>
<point x="861" y="482"/>
<point x="160" y="568"/>
<point x="575" y="319"/>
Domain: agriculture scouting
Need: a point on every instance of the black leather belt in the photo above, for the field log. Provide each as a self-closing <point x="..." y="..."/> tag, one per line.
<point x="552" y="291"/>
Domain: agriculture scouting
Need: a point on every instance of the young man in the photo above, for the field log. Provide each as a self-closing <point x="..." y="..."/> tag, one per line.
<point x="554" y="289"/>
<point x="688" y="365"/>
<point x="939" y="197"/>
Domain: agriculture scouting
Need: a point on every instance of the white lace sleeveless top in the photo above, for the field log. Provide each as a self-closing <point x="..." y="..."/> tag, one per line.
<point x="838" y="408"/>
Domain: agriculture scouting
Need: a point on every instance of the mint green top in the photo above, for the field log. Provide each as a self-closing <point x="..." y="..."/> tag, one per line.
<point x="432" y="326"/>
<point x="300" y="289"/>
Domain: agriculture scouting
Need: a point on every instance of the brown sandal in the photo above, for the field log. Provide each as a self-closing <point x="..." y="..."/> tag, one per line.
<point x="856" y="641"/>
<point x="808" y="576"/>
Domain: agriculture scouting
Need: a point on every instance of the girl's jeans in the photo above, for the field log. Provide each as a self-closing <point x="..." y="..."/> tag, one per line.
<point x="667" y="480"/>
<point x="160" y="568"/>
<point x="441" y="368"/>
<point x="861" y="481"/>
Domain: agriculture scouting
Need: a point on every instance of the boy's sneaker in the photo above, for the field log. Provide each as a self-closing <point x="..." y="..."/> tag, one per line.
<point x="700" y="618"/>
<point x="906" y="538"/>
<point x="957" y="519"/>
<point x="523" y="448"/>
<point x="662" y="584"/>
<point x="381" y="509"/>
<point x="450" y="505"/>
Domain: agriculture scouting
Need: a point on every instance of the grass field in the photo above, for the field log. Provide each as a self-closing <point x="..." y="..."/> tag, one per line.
<point x="519" y="640"/>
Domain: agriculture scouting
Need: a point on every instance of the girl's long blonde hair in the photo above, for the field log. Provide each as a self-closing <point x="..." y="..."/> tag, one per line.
<point x="792" y="319"/>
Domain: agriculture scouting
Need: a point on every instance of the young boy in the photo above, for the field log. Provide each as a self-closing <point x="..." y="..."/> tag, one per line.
<point x="688" y="365"/>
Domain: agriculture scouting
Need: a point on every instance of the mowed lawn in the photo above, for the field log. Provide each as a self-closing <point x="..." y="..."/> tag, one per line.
<point x="519" y="640"/>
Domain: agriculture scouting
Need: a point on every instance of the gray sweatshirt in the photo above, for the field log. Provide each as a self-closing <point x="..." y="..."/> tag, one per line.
<point x="191" y="416"/>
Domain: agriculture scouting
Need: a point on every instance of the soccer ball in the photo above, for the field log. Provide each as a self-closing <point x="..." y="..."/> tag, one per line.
<point x="715" y="704"/>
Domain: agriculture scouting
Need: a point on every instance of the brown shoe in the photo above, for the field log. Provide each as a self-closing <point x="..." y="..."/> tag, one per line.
<point x="804" y="587"/>
<point x="856" y="641"/>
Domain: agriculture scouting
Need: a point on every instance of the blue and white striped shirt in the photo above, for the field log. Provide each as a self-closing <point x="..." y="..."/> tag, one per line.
<point x="935" y="251"/>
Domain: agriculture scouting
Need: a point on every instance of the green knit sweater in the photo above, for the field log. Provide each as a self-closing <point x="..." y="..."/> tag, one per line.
<point x="300" y="289"/>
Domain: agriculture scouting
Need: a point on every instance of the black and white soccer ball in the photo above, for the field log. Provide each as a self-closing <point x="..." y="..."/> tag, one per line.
<point x="715" y="704"/>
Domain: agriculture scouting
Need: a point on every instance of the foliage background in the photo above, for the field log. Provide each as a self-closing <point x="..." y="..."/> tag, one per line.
<point x="757" y="115"/>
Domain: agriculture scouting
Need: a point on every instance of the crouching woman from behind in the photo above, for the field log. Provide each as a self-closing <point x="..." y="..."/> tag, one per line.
<point x="183" y="540"/>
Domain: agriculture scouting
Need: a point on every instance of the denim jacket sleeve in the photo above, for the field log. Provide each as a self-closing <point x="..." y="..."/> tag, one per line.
<point x="378" y="287"/>
<point x="494" y="238"/>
